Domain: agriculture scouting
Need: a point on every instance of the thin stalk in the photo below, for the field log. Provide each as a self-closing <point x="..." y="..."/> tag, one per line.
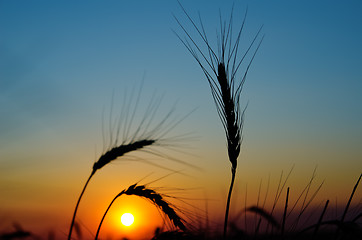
<point x="233" y="173"/>
<point x="104" y="215"/>
<point x="320" y="219"/>
<point x="348" y="204"/>
<point x="350" y="199"/>
<point x="285" y="212"/>
<point x="76" y="206"/>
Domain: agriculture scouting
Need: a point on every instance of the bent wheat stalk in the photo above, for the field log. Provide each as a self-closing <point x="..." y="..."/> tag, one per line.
<point x="137" y="133"/>
<point x="106" y="158"/>
<point x="152" y="196"/>
<point x="221" y="71"/>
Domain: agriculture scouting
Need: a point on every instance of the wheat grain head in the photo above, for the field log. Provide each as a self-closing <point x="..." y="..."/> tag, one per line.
<point x="119" y="151"/>
<point x="221" y="66"/>
<point x="135" y="138"/>
<point x="155" y="198"/>
<point x="221" y="69"/>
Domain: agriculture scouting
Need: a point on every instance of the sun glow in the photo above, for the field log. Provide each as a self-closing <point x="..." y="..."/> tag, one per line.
<point x="146" y="219"/>
<point x="127" y="219"/>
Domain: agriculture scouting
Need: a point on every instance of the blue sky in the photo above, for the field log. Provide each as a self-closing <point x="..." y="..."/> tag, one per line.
<point x="61" y="62"/>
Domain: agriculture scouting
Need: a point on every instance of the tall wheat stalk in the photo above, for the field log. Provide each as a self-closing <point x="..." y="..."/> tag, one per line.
<point x="155" y="198"/>
<point x="221" y="71"/>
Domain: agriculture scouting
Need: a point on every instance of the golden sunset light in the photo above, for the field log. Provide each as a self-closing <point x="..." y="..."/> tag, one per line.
<point x="180" y="119"/>
<point x="131" y="217"/>
<point x="127" y="219"/>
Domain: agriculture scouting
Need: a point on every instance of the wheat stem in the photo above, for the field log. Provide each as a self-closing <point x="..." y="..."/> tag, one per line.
<point x="320" y="219"/>
<point x="105" y="213"/>
<point x="285" y="213"/>
<point x="233" y="173"/>
<point x="76" y="206"/>
<point x="106" y="158"/>
<point x="350" y="198"/>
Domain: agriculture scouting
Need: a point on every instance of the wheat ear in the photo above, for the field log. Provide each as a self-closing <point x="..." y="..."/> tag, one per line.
<point x="155" y="198"/>
<point x="221" y="73"/>
<point x="106" y="158"/>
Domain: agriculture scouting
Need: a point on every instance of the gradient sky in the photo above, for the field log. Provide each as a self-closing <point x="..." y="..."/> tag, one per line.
<point x="61" y="63"/>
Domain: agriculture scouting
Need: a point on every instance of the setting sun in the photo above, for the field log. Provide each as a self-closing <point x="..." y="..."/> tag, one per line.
<point x="127" y="219"/>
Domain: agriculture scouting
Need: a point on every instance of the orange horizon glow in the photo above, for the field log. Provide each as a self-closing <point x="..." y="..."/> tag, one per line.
<point x="146" y="219"/>
<point x="80" y="79"/>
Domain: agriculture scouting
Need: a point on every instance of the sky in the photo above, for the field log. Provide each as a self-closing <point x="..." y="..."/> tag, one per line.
<point x="67" y="69"/>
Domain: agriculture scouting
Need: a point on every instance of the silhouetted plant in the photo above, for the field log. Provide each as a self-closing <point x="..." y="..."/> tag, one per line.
<point x="142" y="137"/>
<point x="221" y="69"/>
<point x="106" y="158"/>
<point x="151" y="195"/>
